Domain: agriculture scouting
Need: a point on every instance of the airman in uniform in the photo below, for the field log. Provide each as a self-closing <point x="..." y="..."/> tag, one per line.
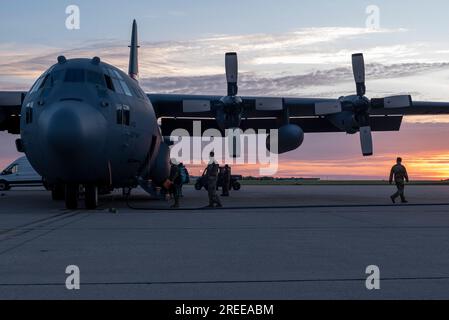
<point x="399" y="175"/>
<point x="175" y="179"/>
<point x="226" y="181"/>
<point x="212" y="176"/>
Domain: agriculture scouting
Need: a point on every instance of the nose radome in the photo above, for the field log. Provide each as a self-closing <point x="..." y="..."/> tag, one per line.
<point x="74" y="128"/>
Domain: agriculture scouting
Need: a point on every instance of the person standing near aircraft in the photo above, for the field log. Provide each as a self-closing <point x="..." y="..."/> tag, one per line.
<point x="399" y="173"/>
<point x="175" y="178"/>
<point x="226" y="181"/>
<point x="212" y="175"/>
<point x="185" y="177"/>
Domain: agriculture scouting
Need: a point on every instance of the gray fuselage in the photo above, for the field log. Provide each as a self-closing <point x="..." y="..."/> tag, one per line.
<point x="85" y="121"/>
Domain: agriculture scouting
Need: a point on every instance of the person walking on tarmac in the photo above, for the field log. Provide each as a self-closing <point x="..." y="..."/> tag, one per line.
<point x="175" y="178"/>
<point x="226" y="181"/>
<point x="212" y="176"/>
<point x="399" y="173"/>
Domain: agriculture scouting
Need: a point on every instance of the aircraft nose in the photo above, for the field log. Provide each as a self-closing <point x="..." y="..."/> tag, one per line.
<point x="74" y="128"/>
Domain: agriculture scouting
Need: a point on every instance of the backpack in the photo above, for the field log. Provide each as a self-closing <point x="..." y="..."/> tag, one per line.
<point x="184" y="175"/>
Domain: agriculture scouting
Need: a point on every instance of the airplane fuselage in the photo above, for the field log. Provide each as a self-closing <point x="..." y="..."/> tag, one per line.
<point x="87" y="122"/>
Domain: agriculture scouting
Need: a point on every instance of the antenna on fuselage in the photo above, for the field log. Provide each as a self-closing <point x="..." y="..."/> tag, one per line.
<point x="133" y="70"/>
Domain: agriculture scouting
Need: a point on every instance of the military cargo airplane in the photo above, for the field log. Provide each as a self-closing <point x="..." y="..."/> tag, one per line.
<point x="85" y="122"/>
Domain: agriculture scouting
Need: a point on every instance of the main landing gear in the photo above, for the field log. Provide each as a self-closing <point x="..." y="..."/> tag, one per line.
<point x="91" y="196"/>
<point x="70" y="193"/>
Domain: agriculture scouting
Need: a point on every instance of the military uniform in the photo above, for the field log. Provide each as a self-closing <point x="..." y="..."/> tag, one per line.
<point x="226" y="181"/>
<point x="399" y="175"/>
<point x="212" y="175"/>
<point x="175" y="178"/>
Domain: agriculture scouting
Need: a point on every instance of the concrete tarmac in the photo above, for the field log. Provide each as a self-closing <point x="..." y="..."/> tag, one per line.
<point x="269" y="242"/>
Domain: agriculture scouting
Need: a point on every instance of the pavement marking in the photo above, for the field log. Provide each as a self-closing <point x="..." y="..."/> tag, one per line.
<point x="64" y="217"/>
<point x="429" y="278"/>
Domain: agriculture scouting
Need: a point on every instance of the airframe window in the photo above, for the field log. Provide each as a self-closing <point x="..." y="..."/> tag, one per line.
<point x="126" y="115"/>
<point x="117" y="86"/>
<point x="46" y="82"/>
<point x="117" y="74"/>
<point x="123" y="115"/>
<point x="36" y="85"/>
<point x="125" y="88"/>
<point x="57" y="76"/>
<point x="74" y="75"/>
<point x="109" y="83"/>
<point x="95" y="78"/>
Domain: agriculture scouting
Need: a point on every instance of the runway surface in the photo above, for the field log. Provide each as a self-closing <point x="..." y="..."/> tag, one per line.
<point x="311" y="242"/>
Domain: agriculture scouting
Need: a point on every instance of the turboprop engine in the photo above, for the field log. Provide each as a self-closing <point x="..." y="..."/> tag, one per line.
<point x="290" y="137"/>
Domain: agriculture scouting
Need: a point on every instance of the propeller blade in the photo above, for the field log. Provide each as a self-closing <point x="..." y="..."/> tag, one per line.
<point x="192" y="106"/>
<point x="231" y="65"/>
<point x="366" y="141"/>
<point x="325" y="108"/>
<point x="234" y="142"/>
<point x="358" y="68"/>
<point x="269" y="104"/>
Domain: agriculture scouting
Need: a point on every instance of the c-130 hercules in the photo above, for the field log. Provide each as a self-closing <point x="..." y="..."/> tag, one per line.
<point x="85" y="122"/>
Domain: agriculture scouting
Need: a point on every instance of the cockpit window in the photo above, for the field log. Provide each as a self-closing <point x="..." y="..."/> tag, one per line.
<point x="95" y="78"/>
<point x="57" y="76"/>
<point x="74" y="75"/>
<point x="116" y="74"/>
<point x="115" y="82"/>
<point x="36" y="85"/>
<point x="117" y="86"/>
<point x="46" y="83"/>
<point x="109" y="83"/>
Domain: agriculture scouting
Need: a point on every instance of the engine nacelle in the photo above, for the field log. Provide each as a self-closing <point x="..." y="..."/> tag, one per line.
<point x="290" y="137"/>
<point x="160" y="170"/>
<point x="345" y="121"/>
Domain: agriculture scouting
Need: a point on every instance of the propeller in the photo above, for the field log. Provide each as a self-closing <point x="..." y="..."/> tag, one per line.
<point x="361" y="105"/>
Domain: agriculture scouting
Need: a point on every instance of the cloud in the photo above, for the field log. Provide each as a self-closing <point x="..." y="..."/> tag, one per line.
<point x="306" y="62"/>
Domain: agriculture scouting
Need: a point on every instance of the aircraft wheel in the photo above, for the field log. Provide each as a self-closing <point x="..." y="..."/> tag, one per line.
<point x="58" y="192"/>
<point x="71" y="196"/>
<point x="4" y="185"/>
<point x="91" y="196"/>
<point x="236" y="186"/>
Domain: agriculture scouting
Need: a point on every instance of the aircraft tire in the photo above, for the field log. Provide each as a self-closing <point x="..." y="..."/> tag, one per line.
<point x="58" y="192"/>
<point x="91" y="196"/>
<point x="236" y="186"/>
<point x="4" y="185"/>
<point x="71" y="196"/>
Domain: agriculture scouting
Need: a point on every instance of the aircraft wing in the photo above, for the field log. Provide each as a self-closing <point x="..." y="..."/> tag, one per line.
<point x="417" y="108"/>
<point x="311" y="114"/>
<point x="10" y="106"/>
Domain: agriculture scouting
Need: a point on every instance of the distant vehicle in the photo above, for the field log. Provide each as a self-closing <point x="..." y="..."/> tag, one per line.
<point x="20" y="172"/>
<point x="201" y="182"/>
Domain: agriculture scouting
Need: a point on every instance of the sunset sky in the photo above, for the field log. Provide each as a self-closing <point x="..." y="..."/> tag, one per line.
<point x="285" y="47"/>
